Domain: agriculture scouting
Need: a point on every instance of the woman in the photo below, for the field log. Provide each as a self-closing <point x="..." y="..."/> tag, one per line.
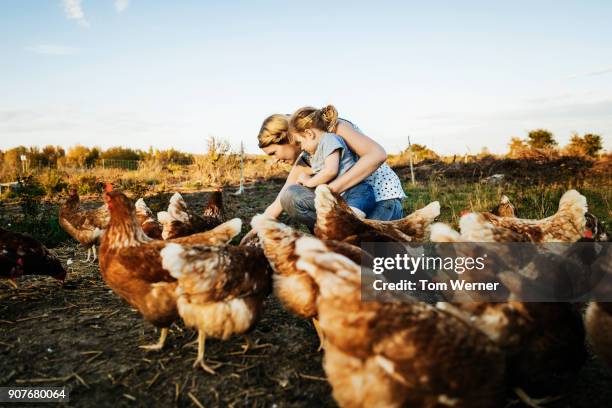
<point x="276" y="140"/>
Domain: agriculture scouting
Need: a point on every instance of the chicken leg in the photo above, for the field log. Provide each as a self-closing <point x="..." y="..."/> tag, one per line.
<point x="315" y="322"/>
<point x="200" y="359"/>
<point x="12" y="283"/>
<point x="160" y="343"/>
<point x="91" y="250"/>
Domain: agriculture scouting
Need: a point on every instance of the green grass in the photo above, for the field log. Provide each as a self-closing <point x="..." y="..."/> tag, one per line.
<point x="530" y="201"/>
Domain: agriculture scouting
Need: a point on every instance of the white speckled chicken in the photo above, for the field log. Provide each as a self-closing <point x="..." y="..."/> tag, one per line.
<point x="150" y="225"/>
<point x="396" y="354"/>
<point x="544" y="342"/>
<point x="131" y="265"/>
<point x="86" y="226"/>
<point x="220" y="289"/>
<point x="296" y="290"/>
<point x="180" y="221"/>
<point x="336" y="221"/>
<point x="567" y="225"/>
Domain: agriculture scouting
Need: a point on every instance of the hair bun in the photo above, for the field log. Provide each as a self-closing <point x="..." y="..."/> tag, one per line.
<point x="329" y="117"/>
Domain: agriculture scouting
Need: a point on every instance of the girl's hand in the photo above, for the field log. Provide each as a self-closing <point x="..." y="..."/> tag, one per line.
<point x="303" y="179"/>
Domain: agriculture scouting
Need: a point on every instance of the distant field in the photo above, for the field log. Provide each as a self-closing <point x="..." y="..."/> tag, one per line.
<point x="95" y="336"/>
<point x="533" y="187"/>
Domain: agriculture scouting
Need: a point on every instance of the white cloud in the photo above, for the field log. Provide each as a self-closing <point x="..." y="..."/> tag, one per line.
<point x="596" y="72"/>
<point x="74" y="11"/>
<point x="121" y="5"/>
<point x="607" y="70"/>
<point x="52" y="49"/>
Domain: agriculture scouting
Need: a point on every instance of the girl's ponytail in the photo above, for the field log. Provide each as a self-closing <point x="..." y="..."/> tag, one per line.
<point x="325" y="119"/>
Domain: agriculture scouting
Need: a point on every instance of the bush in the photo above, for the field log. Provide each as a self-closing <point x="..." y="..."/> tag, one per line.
<point x="53" y="182"/>
<point x="44" y="227"/>
<point x="89" y="184"/>
<point x="38" y="220"/>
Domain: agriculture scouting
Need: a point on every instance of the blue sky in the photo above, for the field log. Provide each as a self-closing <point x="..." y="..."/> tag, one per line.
<point x="455" y="76"/>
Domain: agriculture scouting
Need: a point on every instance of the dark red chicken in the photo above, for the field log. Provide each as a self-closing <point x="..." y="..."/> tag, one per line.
<point x="21" y="254"/>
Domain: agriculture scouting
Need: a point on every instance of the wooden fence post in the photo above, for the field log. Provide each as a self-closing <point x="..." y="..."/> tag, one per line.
<point x="410" y="159"/>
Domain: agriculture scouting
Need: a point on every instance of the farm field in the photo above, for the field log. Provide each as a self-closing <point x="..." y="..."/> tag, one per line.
<point x="83" y="335"/>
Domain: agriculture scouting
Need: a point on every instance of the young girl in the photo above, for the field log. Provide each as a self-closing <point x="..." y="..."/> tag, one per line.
<point x="298" y="201"/>
<point x="328" y="156"/>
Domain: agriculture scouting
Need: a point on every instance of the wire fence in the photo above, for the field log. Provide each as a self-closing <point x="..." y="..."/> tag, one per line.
<point x="129" y="165"/>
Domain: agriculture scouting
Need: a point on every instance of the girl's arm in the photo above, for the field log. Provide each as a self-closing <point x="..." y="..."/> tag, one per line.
<point x="326" y="174"/>
<point x="275" y="209"/>
<point x="371" y="157"/>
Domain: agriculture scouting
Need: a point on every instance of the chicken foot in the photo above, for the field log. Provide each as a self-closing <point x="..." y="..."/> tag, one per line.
<point x="534" y="402"/>
<point x="200" y="359"/>
<point x="160" y="343"/>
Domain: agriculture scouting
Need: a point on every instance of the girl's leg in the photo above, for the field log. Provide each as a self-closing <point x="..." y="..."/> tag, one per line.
<point x="361" y="197"/>
<point x="298" y="202"/>
<point x="387" y="210"/>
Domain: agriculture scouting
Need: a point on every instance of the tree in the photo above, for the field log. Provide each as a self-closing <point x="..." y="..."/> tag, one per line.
<point x="12" y="157"/>
<point x="121" y="153"/>
<point x="588" y="145"/>
<point x="541" y="139"/>
<point x="517" y="148"/>
<point x="422" y="152"/>
<point x="77" y="155"/>
<point x="50" y="155"/>
<point x="592" y="144"/>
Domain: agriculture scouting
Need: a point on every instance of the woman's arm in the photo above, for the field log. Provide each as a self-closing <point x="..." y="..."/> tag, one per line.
<point x="326" y="174"/>
<point x="275" y="209"/>
<point x="371" y="157"/>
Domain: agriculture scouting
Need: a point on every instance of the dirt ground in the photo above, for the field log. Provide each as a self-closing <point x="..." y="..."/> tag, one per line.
<point x="85" y="337"/>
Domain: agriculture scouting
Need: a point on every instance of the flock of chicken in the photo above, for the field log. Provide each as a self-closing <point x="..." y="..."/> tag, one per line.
<point x="181" y="264"/>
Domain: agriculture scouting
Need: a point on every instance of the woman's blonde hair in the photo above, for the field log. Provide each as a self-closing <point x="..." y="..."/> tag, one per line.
<point x="274" y="130"/>
<point x="325" y="119"/>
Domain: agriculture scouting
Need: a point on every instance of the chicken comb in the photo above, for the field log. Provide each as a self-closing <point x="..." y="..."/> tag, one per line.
<point x="108" y="187"/>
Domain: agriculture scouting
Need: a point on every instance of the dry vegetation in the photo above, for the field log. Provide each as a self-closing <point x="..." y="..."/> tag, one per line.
<point x="84" y="336"/>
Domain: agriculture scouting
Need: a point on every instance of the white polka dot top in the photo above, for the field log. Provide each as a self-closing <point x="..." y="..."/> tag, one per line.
<point x="385" y="183"/>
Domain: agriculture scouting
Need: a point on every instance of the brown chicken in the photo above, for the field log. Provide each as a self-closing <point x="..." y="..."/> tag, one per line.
<point x="296" y="290"/>
<point x="504" y="208"/>
<point x="180" y="221"/>
<point x="86" y="226"/>
<point x="567" y="225"/>
<point x="543" y="342"/>
<point x="595" y="229"/>
<point x="131" y="265"/>
<point x="151" y="227"/>
<point x="598" y="320"/>
<point x="220" y="289"/>
<point x="336" y="221"/>
<point x="396" y="354"/>
<point x="214" y="208"/>
<point x="598" y="317"/>
<point x="21" y="254"/>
